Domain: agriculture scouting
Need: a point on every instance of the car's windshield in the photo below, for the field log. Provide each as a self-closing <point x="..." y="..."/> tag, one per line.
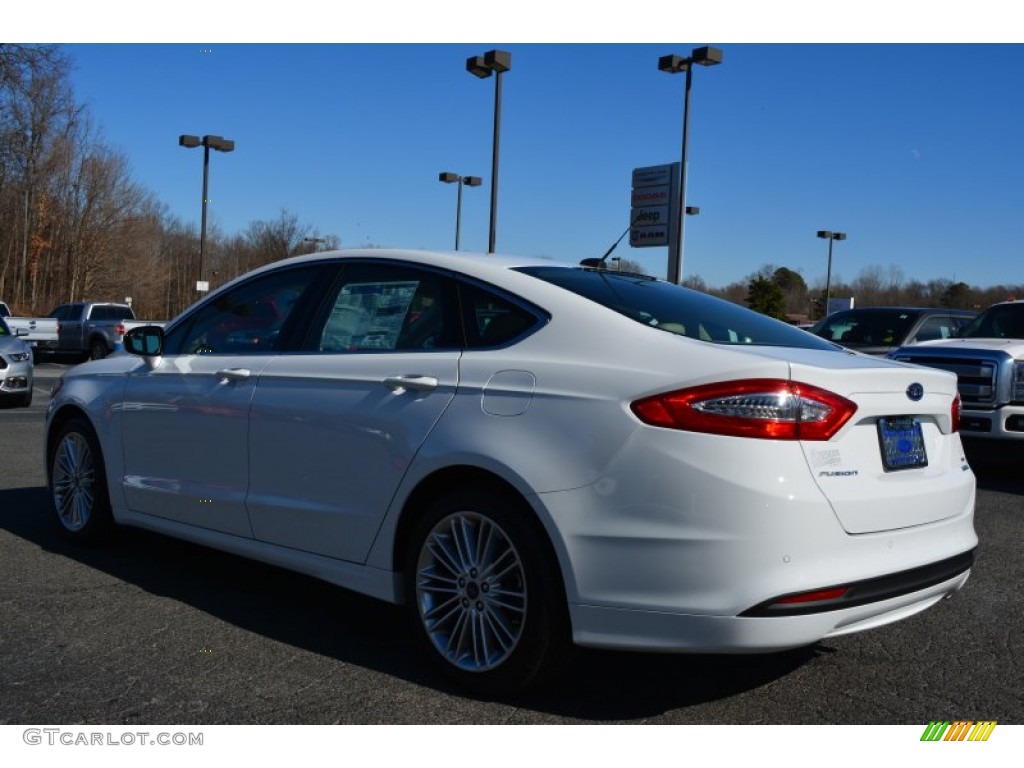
<point x="1003" y="321"/>
<point x="676" y="309"/>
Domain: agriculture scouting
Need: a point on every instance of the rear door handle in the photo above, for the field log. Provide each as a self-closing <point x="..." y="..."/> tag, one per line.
<point x="399" y="384"/>
<point x="226" y="375"/>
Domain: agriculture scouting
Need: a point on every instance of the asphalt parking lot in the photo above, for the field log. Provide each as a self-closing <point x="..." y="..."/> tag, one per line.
<point x="152" y="630"/>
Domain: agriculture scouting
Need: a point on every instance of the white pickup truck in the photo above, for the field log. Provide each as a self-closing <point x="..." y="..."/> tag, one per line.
<point x="40" y="333"/>
<point x="988" y="358"/>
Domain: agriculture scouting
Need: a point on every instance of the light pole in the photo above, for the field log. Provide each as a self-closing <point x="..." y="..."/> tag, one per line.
<point x="830" y="236"/>
<point x="315" y="241"/>
<point x="469" y="181"/>
<point x="497" y="62"/>
<point x="706" y="56"/>
<point x="220" y="144"/>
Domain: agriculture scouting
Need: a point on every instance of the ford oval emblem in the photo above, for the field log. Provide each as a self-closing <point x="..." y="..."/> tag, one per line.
<point x="915" y="391"/>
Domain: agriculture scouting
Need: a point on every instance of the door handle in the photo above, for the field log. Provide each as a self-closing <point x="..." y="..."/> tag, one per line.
<point x="227" y="375"/>
<point x="399" y="384"/>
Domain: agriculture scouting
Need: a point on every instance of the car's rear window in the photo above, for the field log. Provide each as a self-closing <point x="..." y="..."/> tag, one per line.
<point x="111" y="312"/>
<point x="676" y="309"/>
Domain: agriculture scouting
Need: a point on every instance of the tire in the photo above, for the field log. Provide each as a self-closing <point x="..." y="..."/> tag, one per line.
<point x="484" y="593"/>
<point x="98" y="349"/>
<point x="78" y="483"/>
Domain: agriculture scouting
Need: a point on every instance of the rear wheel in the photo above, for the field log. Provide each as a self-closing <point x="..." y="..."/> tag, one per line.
<point x="78" y="485"/>
<point x="98" y="349"/>
<point x="485" y="594"/>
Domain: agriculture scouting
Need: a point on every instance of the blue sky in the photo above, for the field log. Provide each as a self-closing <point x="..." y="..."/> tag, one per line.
<point x="913" y="149"/>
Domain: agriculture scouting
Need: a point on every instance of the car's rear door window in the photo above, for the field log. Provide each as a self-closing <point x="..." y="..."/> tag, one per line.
<point x="377" y="307"/>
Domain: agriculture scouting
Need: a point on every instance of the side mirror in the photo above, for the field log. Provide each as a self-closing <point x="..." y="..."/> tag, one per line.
<point x="146" y="340"/>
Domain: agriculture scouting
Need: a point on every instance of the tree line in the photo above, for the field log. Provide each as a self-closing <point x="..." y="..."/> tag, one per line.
<point x="73" y="223"/>
<point x="782" y="293"/>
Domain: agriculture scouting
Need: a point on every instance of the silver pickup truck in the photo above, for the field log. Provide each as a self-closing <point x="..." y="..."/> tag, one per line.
<point x="988" y="358"/>
<point x="93" y="328"/>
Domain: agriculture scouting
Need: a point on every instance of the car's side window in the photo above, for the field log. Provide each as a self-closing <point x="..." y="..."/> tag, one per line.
<point x="251" y="319"/>
<point x="382" y="308"/>
<point x="492" y="320"/>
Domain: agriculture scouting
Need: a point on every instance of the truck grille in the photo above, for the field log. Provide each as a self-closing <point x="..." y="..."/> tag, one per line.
<point x="976" y="379"/>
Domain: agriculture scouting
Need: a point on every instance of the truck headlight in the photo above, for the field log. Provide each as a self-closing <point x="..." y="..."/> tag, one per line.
<point x="1018" y="382"/>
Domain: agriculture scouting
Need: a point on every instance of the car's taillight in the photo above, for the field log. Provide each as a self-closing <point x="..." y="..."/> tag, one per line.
<point x="954" y="414"/>
<point x="119" y="329"/>
<point x="772" y="409"/>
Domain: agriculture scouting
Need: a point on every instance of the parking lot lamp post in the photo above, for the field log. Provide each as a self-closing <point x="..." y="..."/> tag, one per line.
<point x="315" y="241"/>
<point x="469" y="181"/>
<point x="830" y="236"/>
<point x="497" y="62"/>
<point x="220" y="144"/>
<point x="706" y="56"/>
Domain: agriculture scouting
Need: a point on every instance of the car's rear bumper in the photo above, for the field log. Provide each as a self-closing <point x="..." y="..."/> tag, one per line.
<point x="606" y="627"/>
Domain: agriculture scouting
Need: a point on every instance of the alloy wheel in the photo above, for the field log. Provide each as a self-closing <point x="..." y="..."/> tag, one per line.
<point x="471" y="591"/>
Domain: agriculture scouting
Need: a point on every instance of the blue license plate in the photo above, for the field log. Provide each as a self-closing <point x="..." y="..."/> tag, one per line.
<point x="902" y="443"/>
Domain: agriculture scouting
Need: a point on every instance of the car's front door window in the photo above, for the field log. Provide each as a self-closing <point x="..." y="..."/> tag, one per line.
<point x="252" y="319"/>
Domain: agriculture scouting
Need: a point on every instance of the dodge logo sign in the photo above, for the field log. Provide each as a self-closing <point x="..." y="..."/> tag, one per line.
<point x="915" y="391"/>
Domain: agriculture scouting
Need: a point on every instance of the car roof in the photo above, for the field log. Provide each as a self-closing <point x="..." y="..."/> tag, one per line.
<point x="920" y="310"/>
<point x="486" y="267"/>
<point x="463" y="261"/>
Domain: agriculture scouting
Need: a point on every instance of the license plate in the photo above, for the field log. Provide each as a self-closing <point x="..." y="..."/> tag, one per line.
<point x="902" y="443"/>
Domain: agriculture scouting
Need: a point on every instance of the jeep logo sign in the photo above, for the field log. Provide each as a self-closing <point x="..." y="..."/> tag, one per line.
<point x="654" y="189"/>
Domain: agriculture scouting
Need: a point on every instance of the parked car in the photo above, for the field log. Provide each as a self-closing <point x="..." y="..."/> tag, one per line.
<point x="879" y="330"/>
<point x="528" y="455"/>
<point x="988" y="359"/>
<point x="15" y="368"/>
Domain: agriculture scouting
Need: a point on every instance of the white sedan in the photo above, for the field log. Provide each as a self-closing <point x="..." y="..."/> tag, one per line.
<point x="16" y="371"/>
<point x="528" y="455"/>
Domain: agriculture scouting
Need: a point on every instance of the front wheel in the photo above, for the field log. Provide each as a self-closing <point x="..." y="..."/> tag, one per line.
<point x="78" y="485"/>
<point x="485" y="594"/>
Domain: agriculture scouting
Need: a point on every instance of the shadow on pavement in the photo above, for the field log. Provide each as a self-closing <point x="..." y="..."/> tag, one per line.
<point x="998" y="464"/>
<point x="318" y="617"/>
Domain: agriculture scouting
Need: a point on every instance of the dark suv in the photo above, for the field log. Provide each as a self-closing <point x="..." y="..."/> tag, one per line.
<point x="879" y="330"/>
